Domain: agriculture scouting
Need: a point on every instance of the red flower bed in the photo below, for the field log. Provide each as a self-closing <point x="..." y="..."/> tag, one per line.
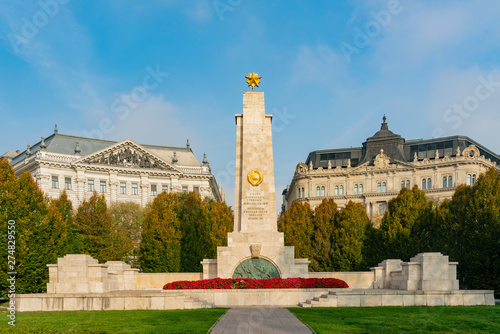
<point x="248" y="283"/>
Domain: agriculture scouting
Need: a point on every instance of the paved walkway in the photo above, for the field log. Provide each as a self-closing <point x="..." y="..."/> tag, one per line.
<point x="259" y="320"/>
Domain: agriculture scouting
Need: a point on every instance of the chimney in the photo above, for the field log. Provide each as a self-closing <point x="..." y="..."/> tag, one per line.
<point x="18" y="152"/>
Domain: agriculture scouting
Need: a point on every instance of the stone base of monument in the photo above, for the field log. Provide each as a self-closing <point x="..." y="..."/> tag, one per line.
<point x="79" y="282"/>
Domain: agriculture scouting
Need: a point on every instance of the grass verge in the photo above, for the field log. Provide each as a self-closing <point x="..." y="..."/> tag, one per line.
<point x="143" y="321"/>
<point x="411" y="319"/>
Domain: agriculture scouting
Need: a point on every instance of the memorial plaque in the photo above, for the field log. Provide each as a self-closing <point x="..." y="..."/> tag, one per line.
<point x="257" y="269"/>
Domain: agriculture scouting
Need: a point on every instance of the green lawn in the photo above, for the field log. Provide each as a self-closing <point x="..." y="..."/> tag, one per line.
<point x="176" y="321"/>
<point x="417" y="319"/>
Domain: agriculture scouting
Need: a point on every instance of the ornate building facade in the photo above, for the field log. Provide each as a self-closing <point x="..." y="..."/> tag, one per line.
<point x="122" y="171"/>
<point x="376" y="172"/>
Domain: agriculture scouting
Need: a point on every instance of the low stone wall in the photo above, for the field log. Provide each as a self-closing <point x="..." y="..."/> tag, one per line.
<point x="187" y="299"/>
<point x="157" y="281"/>
<point x="355" y="280"/>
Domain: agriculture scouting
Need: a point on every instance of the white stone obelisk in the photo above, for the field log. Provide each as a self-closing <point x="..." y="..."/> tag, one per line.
<point x="255" y="204"/>
<point x="255" y="246"/>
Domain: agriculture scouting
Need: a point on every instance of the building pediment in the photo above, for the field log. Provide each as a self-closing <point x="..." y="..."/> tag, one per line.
<point x="126" y="154"/>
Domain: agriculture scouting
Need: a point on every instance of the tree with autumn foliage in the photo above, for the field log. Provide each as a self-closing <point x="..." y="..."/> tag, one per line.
<point x="348" y="237"/>
<point x="221" y="223"/>
<point x="160" y="247"/>
<point x="101" y="238"/>
<point x="297" y="225"/>
<point x="325" y="216"/>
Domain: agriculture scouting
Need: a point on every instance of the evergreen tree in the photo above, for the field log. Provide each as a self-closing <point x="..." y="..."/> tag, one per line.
<point x="32" y="249"/>
<point x="195" y="228"/>
<point x="160" y="247"/>
<point x="221" y="223"/>
<point x="325" y="216"/>
<point x="297" y="225"/>
<point x="348" y="236"/>
<point x="9" y="211"/>
<point x="73" y="241"/>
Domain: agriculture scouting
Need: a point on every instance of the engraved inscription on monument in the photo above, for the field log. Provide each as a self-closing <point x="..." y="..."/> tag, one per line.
<point x="255" y="205"/>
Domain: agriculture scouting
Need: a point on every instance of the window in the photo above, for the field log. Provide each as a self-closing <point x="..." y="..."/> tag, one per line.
<point x="450" y="181"/>
<point x="303" y="193"/>
<point x="153" y="190"/>
<point x="55" y="182"/>
<point x="164" y="188"/>
<point x="473" y="179"/>
<point x="323" y="191"/>
<point x="384" y="187"/>
<point x="355" y="189"/>
<point x="429" y="184"/>
<point x="103" y="186"/>
<point x="196" y="190"/>
<point x="184" y="189"/>
<point x="341" y="190"/>
<point x="300" y="193"/>
<point x="90" y="184"/>
<point x="402" y="184"/>
<point x="469" y="179"/>
<point x="424" y="184"/>
<point x="336" y="190"/>
<point x="67" y="183"/>
<point x="408" y="184"/>
<point x="123" y="188"/>
<point x="361" y="189"/>
<point x="379" y="187"/>
<point x="381" y="209"/>
<point x="135" y="189"/>
<point x="317" y="191"/>
<point x="445" y="181"/>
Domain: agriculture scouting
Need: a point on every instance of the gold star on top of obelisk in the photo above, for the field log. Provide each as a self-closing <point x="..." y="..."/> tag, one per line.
<point x="253" y="80"/>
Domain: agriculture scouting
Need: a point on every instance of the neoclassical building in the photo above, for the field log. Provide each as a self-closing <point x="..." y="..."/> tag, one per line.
<point x="122" y="171"/>
<point x="375" y="172"/>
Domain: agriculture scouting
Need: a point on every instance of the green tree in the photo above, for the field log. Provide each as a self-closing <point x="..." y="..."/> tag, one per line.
<point x="33" y="251"/>
<point x="325" y="216"/>
<point x="221" y="223"/>
<point x="100" y="237"/>
<point x="475" y="228"/>
<point x="160" y="246"/>
<point x="297" y="225"/>
<point x="128" y="218"/>
<point x="73" y="241"/>
<point x="398" y="228"/>
<point x="348" y="236"/>
<point x="195" y="228"/>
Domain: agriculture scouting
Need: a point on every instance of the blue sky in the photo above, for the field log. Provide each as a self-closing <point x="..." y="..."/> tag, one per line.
<point x="330" y="70"/>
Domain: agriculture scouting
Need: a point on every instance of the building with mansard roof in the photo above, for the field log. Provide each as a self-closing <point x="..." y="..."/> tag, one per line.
<point x="385" y="163"/>
<point x="122" y="171"/>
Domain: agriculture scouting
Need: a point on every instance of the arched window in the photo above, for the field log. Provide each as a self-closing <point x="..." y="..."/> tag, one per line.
<point x="469" y="179"/>
<point x="303" y="193"/>
<point x="299" y="193"/>
<point x="408" y="184"/>
<point x="450" y="181"/>
<point x="384" y="187"/>
<point x="402" y="184"/>
<point x="429" y="184"/>
<point x="355" y="189"/>
<point x="341" y="190"/>
<point x="445" y="182"/>
<point x="336" y="190"/>
<point x="323" y="191"/>
<point x="360" y="189"/>
<point x="317" y="191"/>
<point x="473" y="179"/>
<point x="424" y="184"/>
